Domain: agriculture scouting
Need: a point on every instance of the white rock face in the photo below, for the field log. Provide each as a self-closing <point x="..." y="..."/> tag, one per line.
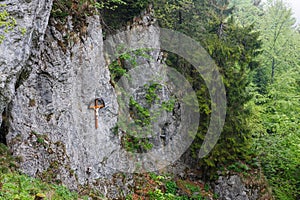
<point x="46" y="88"/>
<point x="51" y="127"/>
<point x="15" y="50"/>
<point x="45" y="93"/>
<point x="47" y="84"/>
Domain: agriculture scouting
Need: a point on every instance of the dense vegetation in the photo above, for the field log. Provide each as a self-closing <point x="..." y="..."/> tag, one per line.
<point x="16" y="186"/>
<point x="275" y="106"/>
<point x="255" y="46"/>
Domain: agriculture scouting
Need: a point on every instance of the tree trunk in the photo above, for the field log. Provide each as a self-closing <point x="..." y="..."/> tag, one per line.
<point x="273" y="71"/>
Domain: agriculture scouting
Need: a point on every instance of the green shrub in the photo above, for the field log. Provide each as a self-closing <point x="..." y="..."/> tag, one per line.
<point x="171" y="187"/>
<point x="16" y="186"/>
<point x="6" y="21"/>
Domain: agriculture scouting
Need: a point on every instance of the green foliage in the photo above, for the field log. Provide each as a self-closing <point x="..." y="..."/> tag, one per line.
<point x="165" y="186"/>
<point x="40" y="140"/>
<point x="206" y="187"/>
<point x="137" y="141"/>
<point x="247" y="12"/>
<point x="159" y="195"/>
<point x="115" y="129"/>
<point x="140" y="114"/>
<point x="7" y="23"/>
<point x="117" y="13"/>
<point x="136" y="138"/>
<point x="78" y="10"/>
<point x="177" y="15"/>
<point x="216" y="196"/>
<point x="23" y="31"/>
<point x="7" y="162"/>
<point x="136" y="144"/>
<point x="126" y="59"/>
<point x="168" y="105"/>
<point x="280" y="162"/>
<point x="234" y="49"/>
<point x="134" y="141"/>
<point x="275" y="107"/>
<point x="15" y="186"/>
<point x="192" y="188"/>
<point x="238" y="167"/>
<point x="171" y="187"/>
<point x="277" y="34"/>
<point x="151" y="92"/>
<point x="116" y="70"/>
<point x="274" y="124"/>
<point x="109" y="4"/>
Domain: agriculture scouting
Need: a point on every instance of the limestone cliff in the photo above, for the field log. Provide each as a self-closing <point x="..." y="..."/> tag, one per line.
<point x="16" y="49"/>
<point x="50" y="74"/>
<point x="47" y="92"/>
<point x="49" y="77"/>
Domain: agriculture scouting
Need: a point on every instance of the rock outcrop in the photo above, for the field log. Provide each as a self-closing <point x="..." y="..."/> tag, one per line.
<point x="32" y="16"/>
<point x="52" y="104"/>
<point x="232" y="187"/>
<point x="49" y="77"/>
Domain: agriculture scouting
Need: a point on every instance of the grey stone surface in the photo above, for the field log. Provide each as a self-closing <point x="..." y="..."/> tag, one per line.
<point x="46" y="88"/>
<point x="53" y="103"/>
<point x="232" y="188"/>
<point x="47" y="84"/>
<point x="16" y="48"/>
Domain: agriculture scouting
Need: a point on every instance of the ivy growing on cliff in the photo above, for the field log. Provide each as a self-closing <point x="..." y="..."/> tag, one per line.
<point x="135" y="134"/>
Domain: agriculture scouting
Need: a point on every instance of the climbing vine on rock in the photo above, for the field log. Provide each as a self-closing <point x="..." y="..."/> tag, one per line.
<point x="137" y="132"/>
<point x="138" y="139"/>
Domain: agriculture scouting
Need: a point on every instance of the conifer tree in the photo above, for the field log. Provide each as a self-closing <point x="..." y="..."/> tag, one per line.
<point x="233" y="48"/>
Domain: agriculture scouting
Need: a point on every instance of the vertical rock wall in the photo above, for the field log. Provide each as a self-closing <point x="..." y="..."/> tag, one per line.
<point x="49" y="77"/>
<point x="47" y="84"/>
<point x="45" y="93"/>
<point x="51" y="127"/>
<point x="15" y="50"/>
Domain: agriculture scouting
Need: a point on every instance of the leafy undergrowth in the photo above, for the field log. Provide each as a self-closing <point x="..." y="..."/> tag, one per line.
<point x="280" y="155"/>
<point x="275" y="126"/>
<point x="16" y="186"/>
<point x="166" y="187"/>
